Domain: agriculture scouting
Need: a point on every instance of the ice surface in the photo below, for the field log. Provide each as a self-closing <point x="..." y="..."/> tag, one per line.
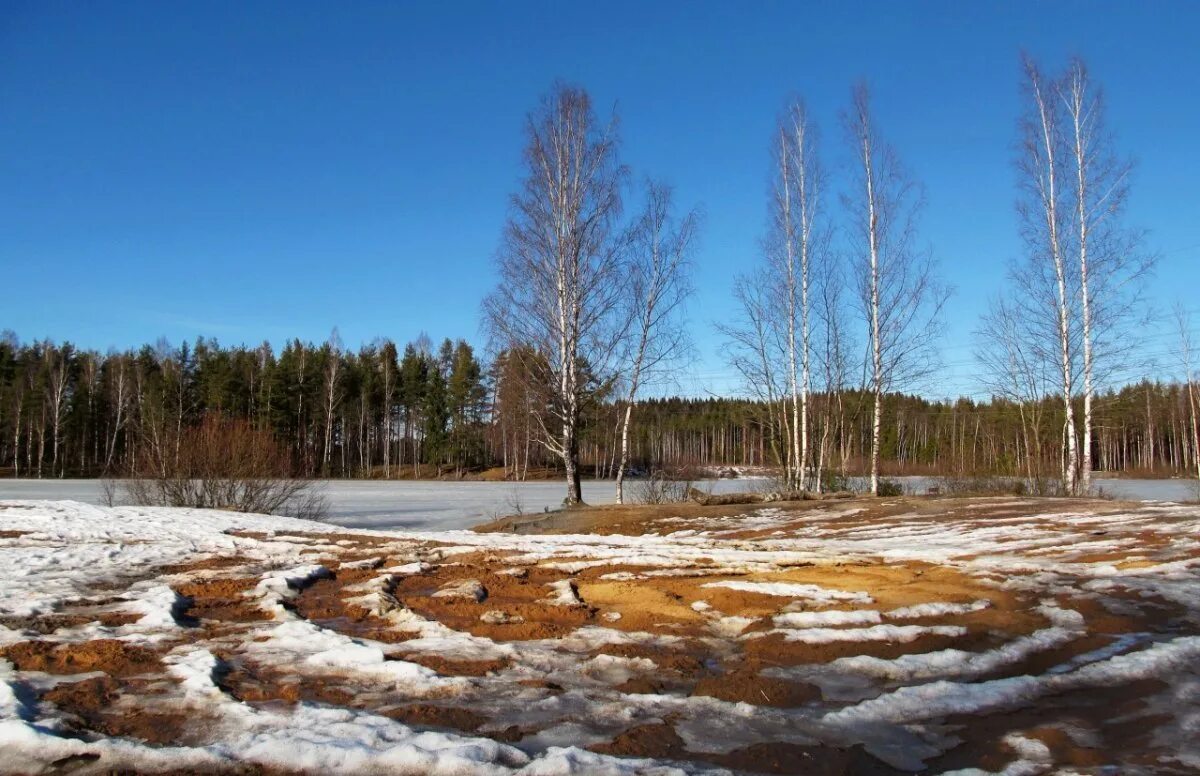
<point x="399" y="505"/>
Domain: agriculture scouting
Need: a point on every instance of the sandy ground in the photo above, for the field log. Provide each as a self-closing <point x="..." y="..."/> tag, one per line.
<point x="867" y="636"/>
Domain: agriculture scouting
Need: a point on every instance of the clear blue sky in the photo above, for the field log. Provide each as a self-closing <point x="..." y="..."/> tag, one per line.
<point x="257" y="171"/>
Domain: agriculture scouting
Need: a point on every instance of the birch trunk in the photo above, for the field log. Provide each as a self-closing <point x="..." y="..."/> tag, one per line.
<point x="624" y="454"/>
<point x="1048" y="180"/>
<point x="1076" y="108"/>
<point x="876" y="343"/>
<point x="786" y="157"/>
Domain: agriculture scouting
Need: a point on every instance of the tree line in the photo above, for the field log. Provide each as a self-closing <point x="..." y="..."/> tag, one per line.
<point x="339" y="413"/>
<point x="385" y="411"/>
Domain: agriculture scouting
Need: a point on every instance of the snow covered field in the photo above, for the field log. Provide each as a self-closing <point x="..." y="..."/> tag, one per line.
<point x="1009" y="635"/>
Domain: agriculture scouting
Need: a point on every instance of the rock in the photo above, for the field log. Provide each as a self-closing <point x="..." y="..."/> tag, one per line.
<point x="467" y="588"/>
<point x="565" y="594"/>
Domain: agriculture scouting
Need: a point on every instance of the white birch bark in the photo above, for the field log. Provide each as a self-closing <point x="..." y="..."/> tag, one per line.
<point x="1047" y="168"/>
<point x="1185" y="349"/>
<point x="866" y="154"/>
<point x="900" y="296"/>
<point x="1076" y="101"/>
<point x="787" y="222"/>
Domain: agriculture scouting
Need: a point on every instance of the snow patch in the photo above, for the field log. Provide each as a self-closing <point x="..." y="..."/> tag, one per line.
<point x="812" y="619"/>
<point x="936" y="609"/>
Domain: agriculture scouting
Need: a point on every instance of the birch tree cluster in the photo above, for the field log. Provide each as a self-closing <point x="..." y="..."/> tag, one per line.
<point x="1068" y="322"/>
<point x="844" y="295"/>
<point x="848" y="297"/>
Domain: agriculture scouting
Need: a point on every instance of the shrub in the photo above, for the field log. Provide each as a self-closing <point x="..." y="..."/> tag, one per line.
<point x="665" y="486"/>
<point x="222" y="464"/>
<point x="890" y="488"/>
<point x="982" y="486"/>
<point x="832" y="481"/>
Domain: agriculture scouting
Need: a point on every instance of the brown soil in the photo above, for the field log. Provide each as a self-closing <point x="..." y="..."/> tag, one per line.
<point x="630" y="519"/>
<point x="637" y="519"/>
<point x="793" y="758"/>
<point x="113" y="657"/>
<point x="90" y="704"/>
<point x="210" y="563"/>
<point x="657" y="740"/>
<point x="89" y="696"/>
<point x="747" y="685"/>
<point x="428" y="715"/>
<point x="324" y="602"/>
<point x="687" y="661"/>
<point x="222" y="600"/>
<point x="252" y="682"/>
<point x="515" y="596"/>
<point x="451" y="667"/>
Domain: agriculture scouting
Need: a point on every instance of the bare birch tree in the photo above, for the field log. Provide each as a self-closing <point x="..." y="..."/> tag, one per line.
<point x="1043" y="212"/>
<point x="559" y="264"/>
<point x="331" y="393"/>
<point x="56" y="365"/>
<point x="118" y="399"/>
<point x="1014" y="368"/>
<point x="770" y="346"/>
<point x="1111" y="264"/>
<point x="1078" y="292"/>
<point x="1183" y="321"/>
<point x="388" y="368"/>
<point x="833" y="363"/>
<point x="659" y="284"/>
<point x="752" y="348"/>
<point x="900" y="297"/>
<point x="796" y="203"/>
<point x="1083" y="116"/>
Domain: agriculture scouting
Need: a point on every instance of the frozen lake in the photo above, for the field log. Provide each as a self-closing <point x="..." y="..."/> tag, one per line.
<point x="440" y="505"/>
<point x="1125" y="490"/>
<point x="401" y="505"/>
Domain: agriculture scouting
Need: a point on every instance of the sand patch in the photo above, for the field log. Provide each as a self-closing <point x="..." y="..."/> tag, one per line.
<point x="113" y="657"/>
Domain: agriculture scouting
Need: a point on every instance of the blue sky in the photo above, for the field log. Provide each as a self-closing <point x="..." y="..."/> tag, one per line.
<point x="257" y="171"/>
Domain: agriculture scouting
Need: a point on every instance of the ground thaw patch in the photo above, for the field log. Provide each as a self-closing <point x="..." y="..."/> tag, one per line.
<point x="945" y="635"/>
